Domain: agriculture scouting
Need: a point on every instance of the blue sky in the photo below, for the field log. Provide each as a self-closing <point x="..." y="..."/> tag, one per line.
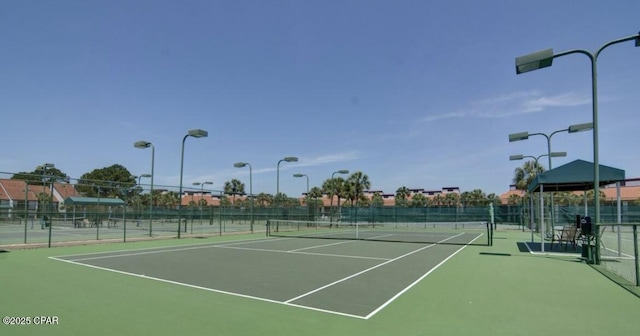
<point x="420" y="94"/>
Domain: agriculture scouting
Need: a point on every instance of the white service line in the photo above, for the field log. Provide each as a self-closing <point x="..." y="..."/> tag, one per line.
<point x="209" y="289"/>
<point x="304" y="253"/>
<point x="418" y="280"/>
<point x="162" y="249"/>
<point x="368" y="269"/>
<point x="323" y="245"/>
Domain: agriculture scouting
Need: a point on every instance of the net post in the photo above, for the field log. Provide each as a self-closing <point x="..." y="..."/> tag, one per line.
<point x="635" y="253"/>
<point x="268" y="228"/>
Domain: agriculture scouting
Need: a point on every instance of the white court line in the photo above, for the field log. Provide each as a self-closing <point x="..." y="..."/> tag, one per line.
<point x="323" y="245"/>
<point x="418" y="280"/>
<point x="303" y="253"/>
<point x="367" y="270"/>
<point x="209" y="289"/>
<point x="162" y="249"/>
<point x="288" y="302"/>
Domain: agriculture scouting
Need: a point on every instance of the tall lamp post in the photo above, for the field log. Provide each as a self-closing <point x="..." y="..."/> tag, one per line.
<point x="571" y="129"/>
<point x="241" y="165"/>
<point x="307" y="176"/>
<point x="536" y="158"/>
<point x="341" y="171"/>
<point x="201" y="184"/>
<point x="139" y="178"/>
<point x="195" y="133"/>
<point x="142" y="145"/>
<point x="286" y="159"/>
<point x="543" y="59"/>
<point x="306" y="199"/>
<point x="51" y="179"/>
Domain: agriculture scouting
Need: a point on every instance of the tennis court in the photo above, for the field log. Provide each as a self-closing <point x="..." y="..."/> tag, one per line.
<point x="349" y="277"/>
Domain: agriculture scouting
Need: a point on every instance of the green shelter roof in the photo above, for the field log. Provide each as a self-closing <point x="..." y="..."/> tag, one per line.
<point x="93" y="201"/>
<point x="575" y="175"/>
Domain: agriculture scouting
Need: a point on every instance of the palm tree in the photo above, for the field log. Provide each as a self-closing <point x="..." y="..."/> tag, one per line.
<point x="377" y="200"/>
<point x="451" y="199"/>
<point x="438" y="200"/>
<point x="334" y="187"/>
<point x="312" y="198"/>
<point x="418" y="201"/>
<point x="357" y="183"/>
<point x="402" y="194"/>
<point x="233" y="188"/>
<point x="493" y="199"/>
<point x="465" y="199"/>
<point x="168" y="200"/>
<point x="477" y="198"/>
<point x="263" y="199"/>
<point x="522" y="176"/>
<point x="514" y="199"/>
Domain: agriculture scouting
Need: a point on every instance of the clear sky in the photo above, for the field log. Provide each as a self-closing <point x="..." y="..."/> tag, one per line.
<point x="421" y="94"/>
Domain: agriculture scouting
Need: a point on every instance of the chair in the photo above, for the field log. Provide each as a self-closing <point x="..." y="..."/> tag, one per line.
<point x="568" y="234"/>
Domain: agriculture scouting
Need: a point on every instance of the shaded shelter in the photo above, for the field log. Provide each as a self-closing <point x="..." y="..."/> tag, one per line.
<point x="577" y="175"/>
<point x="98" y="202"/>
<point x="574" y="176"/>
<point x="102" y="201"/>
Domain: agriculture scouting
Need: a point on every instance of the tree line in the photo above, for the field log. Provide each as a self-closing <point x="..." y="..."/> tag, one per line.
<point x="117" y="181"/>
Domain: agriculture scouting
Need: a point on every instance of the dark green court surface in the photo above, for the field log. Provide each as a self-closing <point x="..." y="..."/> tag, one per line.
<point x="350" y="278"/>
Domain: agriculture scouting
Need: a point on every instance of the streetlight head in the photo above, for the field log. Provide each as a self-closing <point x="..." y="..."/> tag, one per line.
<point x="518" y="136"/>
<point x="580" y="127"/>
<point x="145" y="175"/>
<point x="239" y="164"/>
<point x="516" y="157"/>
<point x="142" y="144"/>
<point x="298" y="175"/>
<point x="198" y="133"/>
<point x="534" y="61"/>
<point x="48" y="165"/>
<point x="558" y="154"/>
<point x="290" y="159"/>
<point x="343" y="171"/>
<point x="638" y="40"/>
<point x="207" y="182"/>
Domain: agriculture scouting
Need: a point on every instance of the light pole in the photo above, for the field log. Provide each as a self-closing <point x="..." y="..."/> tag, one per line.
<point x="543" y="59"/>
<point x="286" y="159"/>
<point x="52" y="179"/>
<point x="195" y="133"/>
<point x="201" y="184"/>
<point x="306" y="199"/>
<point x="241" y="165"/>
<point x="146" y="144"/>
<point x="307" y="176"/>
<point x="140" y="177"/>
<point x="571" y="129"/>
<point x="341" y="171"/>
<point x="536" y="158"/>
<point x="26" y="209"/>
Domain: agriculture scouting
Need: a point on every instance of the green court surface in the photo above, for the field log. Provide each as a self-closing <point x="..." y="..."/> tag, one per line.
<point x="252" y="285"/>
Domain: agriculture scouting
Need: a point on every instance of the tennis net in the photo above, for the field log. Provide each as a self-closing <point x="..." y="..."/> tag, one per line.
<point x="455" y="233"/>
